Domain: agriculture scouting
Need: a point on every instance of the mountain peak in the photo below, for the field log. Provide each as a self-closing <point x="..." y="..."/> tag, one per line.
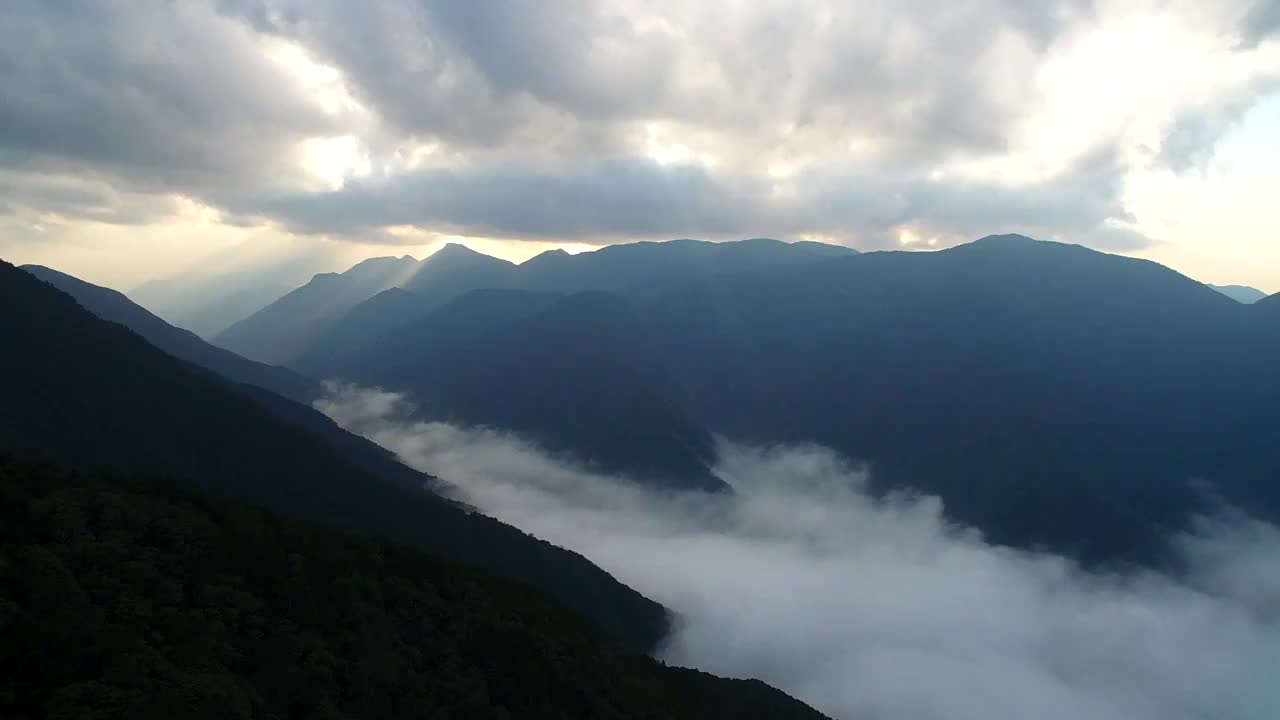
<point x="552" y="255"/>
<point x="383" y="262"/>
<point x="456" y="255"/>
<point x="1240" y="293"/>
<point x="1011" y="239"/>
<point x="455" y="250"/>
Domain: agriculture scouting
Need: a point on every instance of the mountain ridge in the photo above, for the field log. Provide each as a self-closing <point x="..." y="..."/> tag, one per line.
<point x="137" y="410"/>
<point x="114" y="306"/>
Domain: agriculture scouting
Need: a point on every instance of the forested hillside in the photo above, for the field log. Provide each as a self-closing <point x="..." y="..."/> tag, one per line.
<point x="126" y="598"/>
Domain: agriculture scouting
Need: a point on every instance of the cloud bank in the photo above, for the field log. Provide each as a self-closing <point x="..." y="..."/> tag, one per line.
<point x="872" y="608"/>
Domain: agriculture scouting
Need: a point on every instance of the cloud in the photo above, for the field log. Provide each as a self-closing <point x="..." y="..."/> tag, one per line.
<point x="602" y="121"/>
<point x="157" y="96"/>
<point x="873" y="608"/>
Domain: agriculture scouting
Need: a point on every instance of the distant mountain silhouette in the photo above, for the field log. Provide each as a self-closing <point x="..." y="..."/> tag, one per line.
<point x="1052" y="395"/>
<point x="455" y="269"/>
<point x="287" y="326"/>
<point x="93" y="394"/>
<point x="647" y="270"/>
<point x="449" y="272"/>
<point x="1240" y="293"/>
<point x="314" y="326"/>
<point x="115" y="307"/>
<point x="208" y="305"/>
<point x="571" y="372"/>
<point x="361" y="325"/>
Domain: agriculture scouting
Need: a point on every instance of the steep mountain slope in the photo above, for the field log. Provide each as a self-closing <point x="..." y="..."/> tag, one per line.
<point x="361" y="327"/>
<point x="287" y="326"/>
<point x="455" y="269"/>
<point x="92" y="394"/>
<point x="115" y="307"/>
<point x="275" y="389"/>
<point x="573" y="373"/>
<point x="1050" y="394"/>
<point x="449" y="272"/>
<point x="127" y="598"/>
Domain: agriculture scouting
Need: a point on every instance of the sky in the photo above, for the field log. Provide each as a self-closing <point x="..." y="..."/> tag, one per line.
<point x="880" y="608"/>
<point x="163" y="139"/>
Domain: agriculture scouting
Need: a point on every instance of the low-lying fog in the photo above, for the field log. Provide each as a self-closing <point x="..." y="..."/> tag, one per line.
<point x="879" y="609"/>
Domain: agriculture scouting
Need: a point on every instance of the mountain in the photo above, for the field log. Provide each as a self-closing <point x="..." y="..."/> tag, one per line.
<point x="361" y="326"/>
<point x="94" y="395"/>
<point x="287" y="326"/>
<point x="572" y="372"/>
<point x="455" y="269"/>
<point x="647" y="270"/>
<point x="126" y="597"/>
<point x="114" y="306"/>
<point x="452" y="270"/>
<point x="1051" y="395"/>
<point x="277" y="390"/>
<point x="1240" y="293"/>
<point x="637" y="271"/>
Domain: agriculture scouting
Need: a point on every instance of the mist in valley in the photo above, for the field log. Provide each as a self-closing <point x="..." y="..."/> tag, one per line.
<point x="878" y="607"/>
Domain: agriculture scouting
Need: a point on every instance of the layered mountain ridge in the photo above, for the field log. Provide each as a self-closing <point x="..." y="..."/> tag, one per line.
<point x="1051" y="395"/>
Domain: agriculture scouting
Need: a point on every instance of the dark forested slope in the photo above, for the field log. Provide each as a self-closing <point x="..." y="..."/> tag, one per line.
<point x="92" y="394"/>
<point x="132" y="599"/>
<point x="115" y="307"/>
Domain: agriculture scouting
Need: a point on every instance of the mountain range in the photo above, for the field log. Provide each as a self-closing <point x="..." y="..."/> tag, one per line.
<point x="1051" y="395"/>
<point x="306" y="326"/>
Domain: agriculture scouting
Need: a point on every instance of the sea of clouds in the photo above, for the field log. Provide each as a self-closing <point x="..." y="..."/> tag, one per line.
<point x="872" y="607"/>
